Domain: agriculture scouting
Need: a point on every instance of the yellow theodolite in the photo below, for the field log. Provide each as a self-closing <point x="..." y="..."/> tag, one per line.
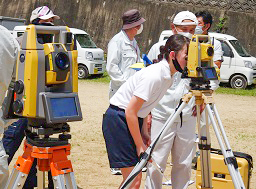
<point x="46" y="75"/>
<point x="200" y="67"/>
<point x="46" y="93"/>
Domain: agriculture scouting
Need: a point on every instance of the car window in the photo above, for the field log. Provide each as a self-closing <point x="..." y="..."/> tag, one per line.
<point x="226" y="49"/>
<point x="85" y="41"/>
<point x="239" y="48"/>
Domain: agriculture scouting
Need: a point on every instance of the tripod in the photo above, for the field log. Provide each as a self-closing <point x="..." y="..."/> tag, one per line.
<point x="51" y="154"/>
<point x="202" y="96"/>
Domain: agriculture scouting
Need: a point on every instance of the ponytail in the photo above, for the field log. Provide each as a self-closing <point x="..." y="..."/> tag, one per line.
<point x="174" y="43"/>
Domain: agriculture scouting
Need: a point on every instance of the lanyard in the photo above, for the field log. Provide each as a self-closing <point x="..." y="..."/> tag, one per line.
<point x="135" y="46"/>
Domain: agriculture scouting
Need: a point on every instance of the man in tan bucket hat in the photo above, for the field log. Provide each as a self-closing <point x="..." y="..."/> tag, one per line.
<point x="123" y="50"/>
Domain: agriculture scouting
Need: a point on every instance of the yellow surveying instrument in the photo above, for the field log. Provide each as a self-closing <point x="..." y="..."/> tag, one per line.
<point x="46" y="93"/>
<point x="200" y="64"/>
<point x="201" y="71"/>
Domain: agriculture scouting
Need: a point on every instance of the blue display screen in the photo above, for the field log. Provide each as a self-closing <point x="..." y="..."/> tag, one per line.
<point x="63" y="107"/>
<point x="209" y="74"/>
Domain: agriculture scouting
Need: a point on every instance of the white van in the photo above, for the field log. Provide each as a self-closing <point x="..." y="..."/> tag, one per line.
<point x="238" y="67"/>
<point x="90" y="57"/>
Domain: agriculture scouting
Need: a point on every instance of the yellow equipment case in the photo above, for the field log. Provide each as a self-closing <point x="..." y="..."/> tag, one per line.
<point x="221" y="178"/>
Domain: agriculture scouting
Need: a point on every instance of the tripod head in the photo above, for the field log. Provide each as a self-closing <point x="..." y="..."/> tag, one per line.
<point x="200" y="64"/>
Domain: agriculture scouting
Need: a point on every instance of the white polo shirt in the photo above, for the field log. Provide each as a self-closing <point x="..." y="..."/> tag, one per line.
<point x="149" y="84"/>
<point x="155" y="50"/>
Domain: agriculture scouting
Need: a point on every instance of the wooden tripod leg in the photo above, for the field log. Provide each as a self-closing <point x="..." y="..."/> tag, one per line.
<point x="21" y="169"/>
<point x="61" y="169"/>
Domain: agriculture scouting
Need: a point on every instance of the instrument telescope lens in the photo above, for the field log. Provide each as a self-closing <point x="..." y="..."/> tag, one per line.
<point x="62" y="61"/>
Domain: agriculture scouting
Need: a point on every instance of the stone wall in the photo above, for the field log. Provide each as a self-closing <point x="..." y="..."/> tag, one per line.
<point x="102" y="18"/>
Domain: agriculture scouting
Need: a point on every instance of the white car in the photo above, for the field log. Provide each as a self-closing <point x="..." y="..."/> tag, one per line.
<point x="90" y="57"/>
<point x="238" y="67"/>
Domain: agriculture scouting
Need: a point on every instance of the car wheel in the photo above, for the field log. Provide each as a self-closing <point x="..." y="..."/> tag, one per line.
<point x="238" y="82"/>
<point x="82" y="72"/>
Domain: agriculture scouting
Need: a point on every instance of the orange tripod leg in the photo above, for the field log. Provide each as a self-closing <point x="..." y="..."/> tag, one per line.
<point x="21" y="169"/>
<point x="61" y="168"/>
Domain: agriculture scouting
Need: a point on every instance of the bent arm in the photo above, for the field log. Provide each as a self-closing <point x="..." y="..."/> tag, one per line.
<point x="132" y="120"/>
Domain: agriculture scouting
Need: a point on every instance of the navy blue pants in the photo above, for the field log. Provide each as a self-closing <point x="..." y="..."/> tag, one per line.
<point x="120" y="145"/>
<point x="12" y="139"/>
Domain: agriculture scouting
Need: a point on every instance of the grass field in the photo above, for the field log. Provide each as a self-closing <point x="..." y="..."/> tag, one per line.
<point x="223" y="89"/>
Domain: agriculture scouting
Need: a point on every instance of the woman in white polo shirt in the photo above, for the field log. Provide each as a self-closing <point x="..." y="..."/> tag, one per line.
<point x="123" y="120"/>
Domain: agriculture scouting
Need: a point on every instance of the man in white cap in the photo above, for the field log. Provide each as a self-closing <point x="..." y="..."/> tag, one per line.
<point x="8" y="55"/>
<point x="123" y="50"/>
<point x="180" y="140"/>
<point x="184" y="23"/>
<point x="14" y="135"/>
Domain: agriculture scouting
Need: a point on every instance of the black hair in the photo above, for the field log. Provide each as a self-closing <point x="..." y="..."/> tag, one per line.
<point x="174" y="43"/>
<point x="207" y="17"/>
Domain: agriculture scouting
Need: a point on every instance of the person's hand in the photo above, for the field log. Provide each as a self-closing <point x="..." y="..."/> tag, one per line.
<point x="202" y="107"/>
<point x="141" y="149"/>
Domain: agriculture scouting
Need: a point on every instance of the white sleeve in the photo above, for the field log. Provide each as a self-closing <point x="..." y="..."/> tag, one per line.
<point x="152" y="54"/>
<point x="155" y="50"/>
<point x="218" y="53"/>
<point x="8" y="56"/>
<point x="113" y="60"/>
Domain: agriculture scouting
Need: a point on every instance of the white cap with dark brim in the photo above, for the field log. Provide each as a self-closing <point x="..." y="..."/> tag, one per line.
<point x="43" y="13"/>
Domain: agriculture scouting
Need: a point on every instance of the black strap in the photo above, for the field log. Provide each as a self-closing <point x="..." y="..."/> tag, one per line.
<point x="177" y="65"/>
<point x="180" y="112"/>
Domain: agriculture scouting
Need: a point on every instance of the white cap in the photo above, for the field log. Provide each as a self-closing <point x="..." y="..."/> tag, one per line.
<point x="185" y="15"/>
<point x="43" y="13"/>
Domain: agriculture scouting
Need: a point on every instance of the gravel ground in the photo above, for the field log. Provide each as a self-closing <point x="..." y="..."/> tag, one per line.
<point x="88" y="152"/>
